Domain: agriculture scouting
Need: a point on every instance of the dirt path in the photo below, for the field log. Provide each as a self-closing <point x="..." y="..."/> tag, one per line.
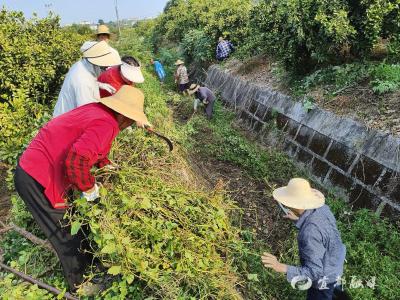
<point x="260" y="212"/>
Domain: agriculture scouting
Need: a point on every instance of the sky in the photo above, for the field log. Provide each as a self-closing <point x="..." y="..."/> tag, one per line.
<point x="75" y="11"/>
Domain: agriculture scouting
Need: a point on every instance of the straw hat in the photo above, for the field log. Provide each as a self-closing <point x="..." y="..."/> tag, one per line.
<point x="132" y="73"/>
<point x="179" y="62"/>
<point x="193" y="88"/>
<point x="299" y="194"/>
<point x="103" y="29"/>
<point x="128" y="101"/>
<point x="99" y="53"/>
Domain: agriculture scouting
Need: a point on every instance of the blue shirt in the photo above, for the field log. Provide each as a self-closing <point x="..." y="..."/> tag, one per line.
<point x="321" y="250"/>
<point x="159" y="69"/>
<point x="224" y="48"/>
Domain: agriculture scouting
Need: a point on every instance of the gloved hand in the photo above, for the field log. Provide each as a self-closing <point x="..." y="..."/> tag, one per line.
<point x="92" y="195"/>
<point x="105" y="86"/>
<point x="195" y="104"/>
<point x="111" y="167"/>
<point x="205" y="102"/>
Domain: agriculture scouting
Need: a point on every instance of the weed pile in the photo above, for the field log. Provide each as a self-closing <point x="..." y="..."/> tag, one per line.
<point x="150" y="225"/>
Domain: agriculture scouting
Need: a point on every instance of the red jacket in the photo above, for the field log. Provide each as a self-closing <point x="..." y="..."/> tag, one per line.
<point x="83" y="135"/>
<point x="113" y="77"/>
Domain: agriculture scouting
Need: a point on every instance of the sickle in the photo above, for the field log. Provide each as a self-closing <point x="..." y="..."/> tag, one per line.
<point x="170" y="145"/>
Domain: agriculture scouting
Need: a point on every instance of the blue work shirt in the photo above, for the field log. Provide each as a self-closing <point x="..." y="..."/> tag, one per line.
<point x="158" y="67"/>
<point x="321" y="250"/>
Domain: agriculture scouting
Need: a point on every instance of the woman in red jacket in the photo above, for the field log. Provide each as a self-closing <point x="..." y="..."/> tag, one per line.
<point x="59" y="159"/>
<point x="127" y="73"/>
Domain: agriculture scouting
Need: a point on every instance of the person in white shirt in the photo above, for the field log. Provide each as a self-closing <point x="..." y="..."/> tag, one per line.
<point x="80" y="85"/>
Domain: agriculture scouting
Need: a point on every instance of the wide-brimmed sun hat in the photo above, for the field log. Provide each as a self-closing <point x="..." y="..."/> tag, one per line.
<point x="128" y="101"/>
<point x="179" y="62"/>
<point x="193" y="89"/>
<point x="299" y="194"/>
<point x="132" y="73"/>
<point x="99" y="53"/>
<point x="103" y="29"/>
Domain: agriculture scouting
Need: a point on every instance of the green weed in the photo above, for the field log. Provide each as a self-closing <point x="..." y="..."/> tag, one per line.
<point x="385" y="78"/>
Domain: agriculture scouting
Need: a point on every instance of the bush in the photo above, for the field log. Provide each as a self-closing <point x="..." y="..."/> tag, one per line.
<point x="307" y="33"/>
<point x="301" y="33"/>
<point x="198" y="24"/>
<point x="35" y="54"/>
<point x="197" y="46"/>
<point x="20" y="119"/>
<point x="385" y="78"/>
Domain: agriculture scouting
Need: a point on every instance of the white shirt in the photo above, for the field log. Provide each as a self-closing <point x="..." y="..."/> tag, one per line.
<point x="80" y="87"/>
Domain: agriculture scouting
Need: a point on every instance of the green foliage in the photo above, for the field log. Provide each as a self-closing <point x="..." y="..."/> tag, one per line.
<point x="333" y="78"/>
<point x="227" y="144"/>
<point x="80" y="29"/>
<point x="35" y="54"/>
<point x="197" y="46"/>
<point x="10" y="291"/>
<point x="307" y="33"/>
<point x="385" y="78"/>
<point x="373" y="19"/>
<point x="198" y="24"/>
<point x="372" y="251"/>
<point x="16" y="128"/>
<point x="301" y="33"/>
<point x="394" y="49"/>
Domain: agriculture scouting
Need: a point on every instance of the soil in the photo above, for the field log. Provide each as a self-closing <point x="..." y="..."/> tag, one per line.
<point x="358" y="102"/>
<point x="260" y="213"/>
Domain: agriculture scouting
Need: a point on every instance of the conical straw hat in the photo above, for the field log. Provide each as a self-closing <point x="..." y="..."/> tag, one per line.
<point x="179" y="62"/>
<point x="128" y="101"/>
<point x="100" y="54"/>
<point x="299" y="194"/>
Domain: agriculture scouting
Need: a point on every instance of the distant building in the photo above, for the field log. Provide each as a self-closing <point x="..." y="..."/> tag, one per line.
<point x="92" y="26"/>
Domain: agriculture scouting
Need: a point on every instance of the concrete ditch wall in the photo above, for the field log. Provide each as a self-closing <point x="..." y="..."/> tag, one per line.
<point x="362" y="165"/>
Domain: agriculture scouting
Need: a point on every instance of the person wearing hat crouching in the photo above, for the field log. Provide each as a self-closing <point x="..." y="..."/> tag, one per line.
<point x="181" y="76"/>
<point x="202" y="95"/>
<point x="59" y="159"/>
<point x="321" y="250"/>
<point x="103" y="34"/>
<point x="80" y="85"/>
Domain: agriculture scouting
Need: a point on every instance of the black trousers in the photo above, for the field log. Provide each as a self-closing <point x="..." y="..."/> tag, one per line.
<point x="69" y="248"/>
<point x="331" y="292"/>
